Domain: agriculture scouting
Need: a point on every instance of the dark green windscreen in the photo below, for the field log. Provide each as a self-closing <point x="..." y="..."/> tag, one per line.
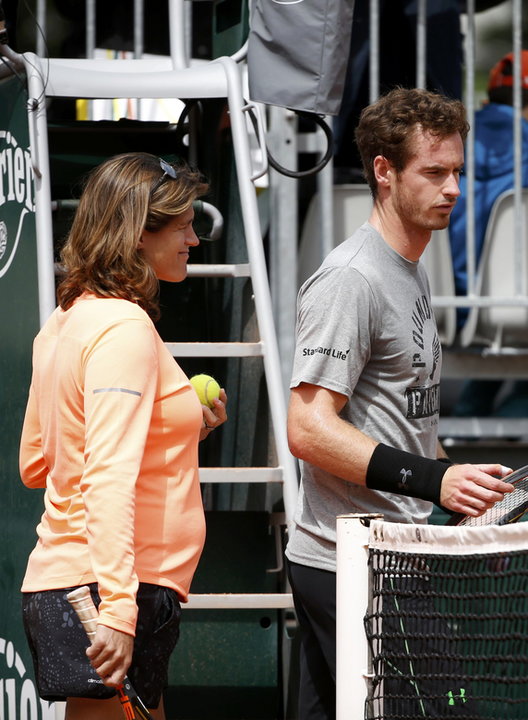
<point x="19" y="322"/>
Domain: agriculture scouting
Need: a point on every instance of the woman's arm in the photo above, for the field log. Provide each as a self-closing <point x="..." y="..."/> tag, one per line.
<point x="33" y="467"/>
<point x="120" y="382"/>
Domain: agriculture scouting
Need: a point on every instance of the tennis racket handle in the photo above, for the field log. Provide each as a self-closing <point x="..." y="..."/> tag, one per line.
<point x="81" y="601"/>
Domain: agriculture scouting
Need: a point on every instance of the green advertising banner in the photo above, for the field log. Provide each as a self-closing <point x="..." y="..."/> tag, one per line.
<point x="19" y="321"/>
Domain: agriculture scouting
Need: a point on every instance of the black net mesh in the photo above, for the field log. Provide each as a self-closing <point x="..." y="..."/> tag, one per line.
<point x="448" y="636"/>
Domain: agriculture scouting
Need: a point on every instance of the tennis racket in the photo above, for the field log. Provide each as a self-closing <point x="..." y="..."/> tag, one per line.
<point x="508" y="510"/>
<point x="81" y="601"/>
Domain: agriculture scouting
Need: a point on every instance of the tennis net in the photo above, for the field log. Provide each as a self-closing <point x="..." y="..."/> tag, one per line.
<point x="445" y="622"/>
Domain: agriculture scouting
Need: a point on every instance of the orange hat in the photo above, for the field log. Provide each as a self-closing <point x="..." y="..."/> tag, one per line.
<point x="501" y="75"/>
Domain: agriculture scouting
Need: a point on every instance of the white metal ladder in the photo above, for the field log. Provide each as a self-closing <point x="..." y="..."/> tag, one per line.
<point x="158" y="79"/>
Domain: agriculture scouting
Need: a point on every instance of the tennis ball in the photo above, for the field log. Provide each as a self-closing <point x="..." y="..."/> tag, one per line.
<point x="206" y="388"/>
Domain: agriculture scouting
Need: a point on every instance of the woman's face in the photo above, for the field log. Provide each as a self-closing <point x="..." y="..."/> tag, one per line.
<point x="167" y="250"/>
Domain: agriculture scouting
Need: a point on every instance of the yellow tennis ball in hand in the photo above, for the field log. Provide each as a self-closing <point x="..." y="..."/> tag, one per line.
<point x="206" y="388"/>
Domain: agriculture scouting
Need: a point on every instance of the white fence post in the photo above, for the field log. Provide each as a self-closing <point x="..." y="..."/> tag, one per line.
<point x="352" y="597"/>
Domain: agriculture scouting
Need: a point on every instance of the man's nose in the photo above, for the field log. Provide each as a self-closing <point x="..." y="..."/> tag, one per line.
<point x="451" y="187"/>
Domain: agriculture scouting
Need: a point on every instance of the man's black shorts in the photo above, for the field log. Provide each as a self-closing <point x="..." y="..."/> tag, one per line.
<point x="58" y="644"/>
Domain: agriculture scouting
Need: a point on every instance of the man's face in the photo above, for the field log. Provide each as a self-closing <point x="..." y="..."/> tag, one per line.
<point x="425" y="191"/>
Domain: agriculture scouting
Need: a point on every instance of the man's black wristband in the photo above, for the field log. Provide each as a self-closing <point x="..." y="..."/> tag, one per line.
<point x="400" y="472"/>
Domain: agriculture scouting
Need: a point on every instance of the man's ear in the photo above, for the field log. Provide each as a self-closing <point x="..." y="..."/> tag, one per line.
<point x="383" y="171"/>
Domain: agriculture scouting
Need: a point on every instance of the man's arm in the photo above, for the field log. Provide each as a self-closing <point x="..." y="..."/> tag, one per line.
<point x="319" y="436"/>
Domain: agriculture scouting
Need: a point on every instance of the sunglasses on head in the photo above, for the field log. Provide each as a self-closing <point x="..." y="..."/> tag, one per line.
<point x="168" y="171"/>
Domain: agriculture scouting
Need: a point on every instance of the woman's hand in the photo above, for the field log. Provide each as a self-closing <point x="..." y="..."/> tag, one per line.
<point x="215" y="416"/>
<point x="110" y="654"/>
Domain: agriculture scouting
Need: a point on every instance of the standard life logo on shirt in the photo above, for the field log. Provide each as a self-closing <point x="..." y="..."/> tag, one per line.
<point x="16" y="196"/>
<point x="331" y="352"/>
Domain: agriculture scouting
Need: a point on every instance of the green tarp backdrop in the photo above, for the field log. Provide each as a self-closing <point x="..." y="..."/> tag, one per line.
<point x="19" y="322"/>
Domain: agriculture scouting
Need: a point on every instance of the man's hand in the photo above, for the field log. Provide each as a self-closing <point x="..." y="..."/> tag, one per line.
<point x="110" y="654"/>
<point x="473" y="489"/>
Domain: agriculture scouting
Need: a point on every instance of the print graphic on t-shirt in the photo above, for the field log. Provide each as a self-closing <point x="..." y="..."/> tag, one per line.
<point x="336" y="353"/>
<point x="423" y="399"/>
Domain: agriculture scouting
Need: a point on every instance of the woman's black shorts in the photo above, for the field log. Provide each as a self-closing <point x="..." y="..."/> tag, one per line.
<point x="58" y="644"/>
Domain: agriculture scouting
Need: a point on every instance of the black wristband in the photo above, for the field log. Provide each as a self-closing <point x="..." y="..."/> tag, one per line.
<point x="400" y="472"/>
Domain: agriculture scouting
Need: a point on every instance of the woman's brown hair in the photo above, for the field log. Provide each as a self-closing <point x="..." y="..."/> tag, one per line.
<point x="122" y="197"/>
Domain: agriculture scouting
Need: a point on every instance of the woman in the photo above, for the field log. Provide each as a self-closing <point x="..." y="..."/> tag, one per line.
<point x="111" y="431"/>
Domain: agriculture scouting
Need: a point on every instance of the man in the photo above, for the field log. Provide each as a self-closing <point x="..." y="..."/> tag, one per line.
<point x="364" y="404"/>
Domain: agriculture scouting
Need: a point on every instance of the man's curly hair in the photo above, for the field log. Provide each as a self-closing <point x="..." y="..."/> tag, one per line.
<point x="387" y="126"/>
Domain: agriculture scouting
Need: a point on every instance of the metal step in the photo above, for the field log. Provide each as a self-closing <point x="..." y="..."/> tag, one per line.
<point x="202" y="270"/>
<point x="241" y="474"/>
<point x="215" y="349"/>
<point x="238" y="601"/>
<point x="483" y="427"/>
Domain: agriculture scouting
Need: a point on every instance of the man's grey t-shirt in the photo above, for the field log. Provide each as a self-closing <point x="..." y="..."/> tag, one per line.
<point x="366" y="329"/>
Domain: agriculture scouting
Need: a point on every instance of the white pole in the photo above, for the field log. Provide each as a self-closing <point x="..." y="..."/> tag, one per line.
<point x="261" y="289"/>
<point x="374" y="70"/>
<point x="38" y="139"/>
<point x="178" y="49"/>
<point x="42" y="31"/>
<point x="352" y="598"/>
